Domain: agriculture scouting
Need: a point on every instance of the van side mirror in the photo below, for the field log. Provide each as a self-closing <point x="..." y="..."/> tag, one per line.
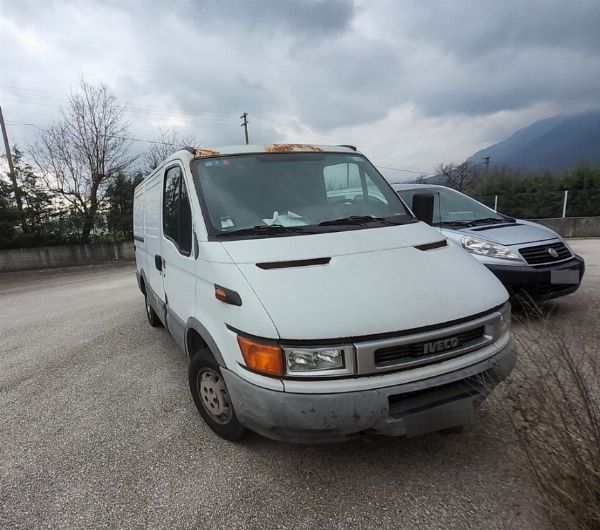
<point x="422" y="207"/>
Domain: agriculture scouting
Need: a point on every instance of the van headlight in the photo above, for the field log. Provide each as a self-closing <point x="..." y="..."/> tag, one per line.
<point x="324" y="362"/>
<point x="505" y="320"/>
<point x="484" y="247"/>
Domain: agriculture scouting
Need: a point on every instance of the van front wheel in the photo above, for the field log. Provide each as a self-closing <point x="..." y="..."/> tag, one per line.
<point x="211" y="396"/>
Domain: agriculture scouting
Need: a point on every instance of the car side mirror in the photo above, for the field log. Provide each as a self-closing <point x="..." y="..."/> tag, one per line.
<point x="422" y="207"/>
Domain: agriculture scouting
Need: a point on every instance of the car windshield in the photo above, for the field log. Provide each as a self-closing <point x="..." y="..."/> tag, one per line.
<point x="451" y="207"/>
<point x="275" y="194"/>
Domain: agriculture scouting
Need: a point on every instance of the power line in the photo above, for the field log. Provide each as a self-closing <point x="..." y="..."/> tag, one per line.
<point x="56" y="99"/>
<point x="111" y="136"/>
<point x="164" y="115"/>
<point x="52" y="99"/>
<point x="405" y="170"/>
<point x="38" y="127"/>
<point x="65" y="98"/>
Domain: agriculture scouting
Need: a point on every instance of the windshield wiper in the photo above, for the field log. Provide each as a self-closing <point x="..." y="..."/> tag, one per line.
<point x="275" y="229"/>
<point x="360" y="220"/>
<point x="491" y="220"/>
<point x="475" y="222"/>
<point x="454" y="223"/>
<point x="265" y="229"/>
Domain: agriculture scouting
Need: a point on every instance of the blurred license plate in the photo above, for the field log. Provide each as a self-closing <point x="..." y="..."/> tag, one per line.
<point x="564" y="276"/>
<point x="439" y="417"/>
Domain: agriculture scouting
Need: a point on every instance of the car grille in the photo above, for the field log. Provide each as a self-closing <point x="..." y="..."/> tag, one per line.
<point x="541" y="253"/>
<point x="416" y="350"/>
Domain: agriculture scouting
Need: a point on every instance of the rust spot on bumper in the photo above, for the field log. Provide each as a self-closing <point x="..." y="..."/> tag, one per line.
<point x="205" y="153"/>
<point x="292" y="148"/>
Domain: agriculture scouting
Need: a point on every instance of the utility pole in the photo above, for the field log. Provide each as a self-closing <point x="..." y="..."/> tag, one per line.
<point x="244" y="124"/>
<point x="11" y="170"/>
<point x="487" y="163"/>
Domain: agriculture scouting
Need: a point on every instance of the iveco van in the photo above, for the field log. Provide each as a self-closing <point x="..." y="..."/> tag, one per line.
<point x="306" y="315"/>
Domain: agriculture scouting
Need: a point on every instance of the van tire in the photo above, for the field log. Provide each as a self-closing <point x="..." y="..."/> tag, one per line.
<point x="211" y="396"/>
<point x="153" y="319"/>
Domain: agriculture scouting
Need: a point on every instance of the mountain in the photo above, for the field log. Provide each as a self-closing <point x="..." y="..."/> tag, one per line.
<point x="553" y="144"/>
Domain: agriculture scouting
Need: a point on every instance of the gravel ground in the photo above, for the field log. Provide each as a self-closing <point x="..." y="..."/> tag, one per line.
<point x="98" y="429"/>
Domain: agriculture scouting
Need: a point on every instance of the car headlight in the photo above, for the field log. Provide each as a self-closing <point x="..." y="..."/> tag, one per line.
<point x="325" y="362"/>
<point x="562" y="239"/>
<point x="484" y="247"/>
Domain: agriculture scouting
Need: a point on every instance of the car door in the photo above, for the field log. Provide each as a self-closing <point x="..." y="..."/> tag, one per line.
<point x="177" y="251"/>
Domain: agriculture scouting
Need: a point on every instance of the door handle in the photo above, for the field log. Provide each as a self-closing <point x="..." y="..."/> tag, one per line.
<point x="158" y="262"/>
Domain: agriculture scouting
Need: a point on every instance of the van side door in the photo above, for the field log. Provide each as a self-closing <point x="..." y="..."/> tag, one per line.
<point x="177" y="251"/>
<point x="152" y="242"/>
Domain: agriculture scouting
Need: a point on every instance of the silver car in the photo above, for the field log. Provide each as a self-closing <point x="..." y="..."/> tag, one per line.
<point x="526" y="257"/>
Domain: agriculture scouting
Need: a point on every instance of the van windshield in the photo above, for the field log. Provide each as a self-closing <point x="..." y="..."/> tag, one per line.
<point x="451" y="207"/>
<point x="275" y="194"/>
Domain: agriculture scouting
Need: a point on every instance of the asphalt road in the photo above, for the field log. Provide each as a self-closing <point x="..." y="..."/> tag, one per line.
<point x="98" y="429"/>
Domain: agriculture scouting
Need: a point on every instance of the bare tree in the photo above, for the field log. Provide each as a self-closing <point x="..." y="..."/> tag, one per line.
<point x="421" y="179"/>
<point x="79" y="154"/>
<point x="457" y="176"/>
<point x="167" y="143"/>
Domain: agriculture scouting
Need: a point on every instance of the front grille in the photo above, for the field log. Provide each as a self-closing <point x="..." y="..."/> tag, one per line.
<point x="541" y="253"/>
<point x="417" y="350"/>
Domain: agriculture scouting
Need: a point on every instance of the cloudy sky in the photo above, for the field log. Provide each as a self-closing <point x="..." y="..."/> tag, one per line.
<point x="412" y="83"/>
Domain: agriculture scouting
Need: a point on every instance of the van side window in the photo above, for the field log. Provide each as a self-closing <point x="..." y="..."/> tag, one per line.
<point x="177" y="212"/>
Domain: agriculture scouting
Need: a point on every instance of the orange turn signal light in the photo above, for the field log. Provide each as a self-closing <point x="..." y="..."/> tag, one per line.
<point x="227" y="295"/>
<point x="262" y="357"/>
<point x="220" y="294"/>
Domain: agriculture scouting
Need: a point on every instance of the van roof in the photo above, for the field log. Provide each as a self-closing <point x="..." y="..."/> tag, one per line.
<point x="207" y="152"/>
<point x="415" y="186"/>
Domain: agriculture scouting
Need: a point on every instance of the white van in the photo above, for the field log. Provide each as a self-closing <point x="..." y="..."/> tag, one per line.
<point x="308" y="316"/>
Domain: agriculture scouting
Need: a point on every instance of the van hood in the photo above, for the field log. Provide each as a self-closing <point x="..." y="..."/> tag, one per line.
<point x="509" y="233"/>
<point x="375" y="282"/>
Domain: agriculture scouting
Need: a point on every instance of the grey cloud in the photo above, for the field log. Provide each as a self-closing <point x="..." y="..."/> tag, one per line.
<point x="472" y="29"/>
<point x="349" y="82"/>
<point x="324" y="64"/>
<point x="504" y="81"/>
<point x="488" y="56"/>
<point x="313" y="19"/>
<point x="274" y="71"/>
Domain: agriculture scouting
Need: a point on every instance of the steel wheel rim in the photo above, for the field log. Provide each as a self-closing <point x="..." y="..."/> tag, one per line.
<point x="148" y="308"/>
<point x="214" y="395"/>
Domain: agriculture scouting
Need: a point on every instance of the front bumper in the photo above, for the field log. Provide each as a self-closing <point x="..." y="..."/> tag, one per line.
<point x="408" y="409"/>
<point x="537" y="281"/>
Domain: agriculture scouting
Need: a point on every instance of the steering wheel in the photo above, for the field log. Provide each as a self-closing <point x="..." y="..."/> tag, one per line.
<point x="343" y="200"/>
